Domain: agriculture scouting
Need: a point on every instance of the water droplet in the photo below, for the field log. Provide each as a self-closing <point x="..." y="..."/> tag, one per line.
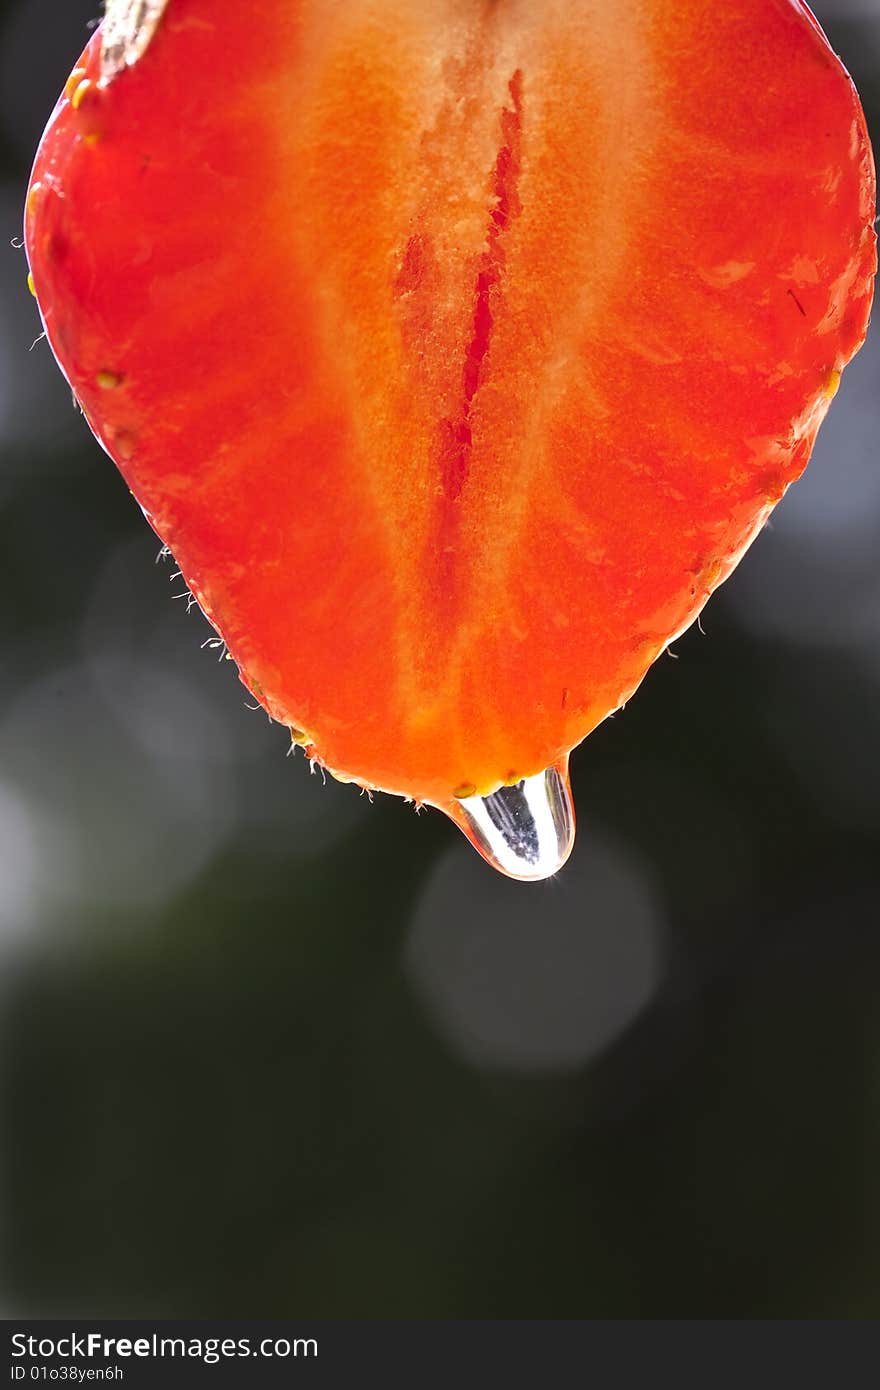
<point x="525" y="830"/>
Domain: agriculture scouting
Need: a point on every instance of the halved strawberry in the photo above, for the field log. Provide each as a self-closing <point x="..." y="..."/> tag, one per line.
<point x="457" y="349"/>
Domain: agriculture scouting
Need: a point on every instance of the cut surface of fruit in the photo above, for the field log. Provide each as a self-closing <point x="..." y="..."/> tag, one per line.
<point x="456" y="348"/>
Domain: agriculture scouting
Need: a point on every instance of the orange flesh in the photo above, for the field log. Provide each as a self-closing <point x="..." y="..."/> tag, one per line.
<point x="456" y="349"/>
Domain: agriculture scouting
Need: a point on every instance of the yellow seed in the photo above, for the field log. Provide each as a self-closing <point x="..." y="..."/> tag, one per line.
<point x="124" y="444"/>
<point x="30" y="284"/>
<point x="73" y="81"/>
<point x="465" y="790"/>
<point x="80" y="92"/>
<point x="108" y="381"/>
<point x="298" y="736"/>
<point x="33" y="197"/>
<point x="832" y="385"/>
<point x="712" y="573"/>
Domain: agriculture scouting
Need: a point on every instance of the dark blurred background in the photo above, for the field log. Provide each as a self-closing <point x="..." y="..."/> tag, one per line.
<point x="267" y="1049"/>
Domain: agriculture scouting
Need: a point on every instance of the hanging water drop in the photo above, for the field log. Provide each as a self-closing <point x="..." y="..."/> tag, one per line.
<point x="525" y="830"/>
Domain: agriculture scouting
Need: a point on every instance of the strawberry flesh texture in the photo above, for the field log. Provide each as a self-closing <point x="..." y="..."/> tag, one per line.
<point x="458" y="350"/>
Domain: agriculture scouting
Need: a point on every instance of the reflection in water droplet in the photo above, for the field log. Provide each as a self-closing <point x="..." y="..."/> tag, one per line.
<point x="526" y="830"/>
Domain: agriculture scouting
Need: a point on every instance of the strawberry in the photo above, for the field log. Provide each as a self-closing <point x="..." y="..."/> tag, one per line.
<point x="457" y="350"/>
